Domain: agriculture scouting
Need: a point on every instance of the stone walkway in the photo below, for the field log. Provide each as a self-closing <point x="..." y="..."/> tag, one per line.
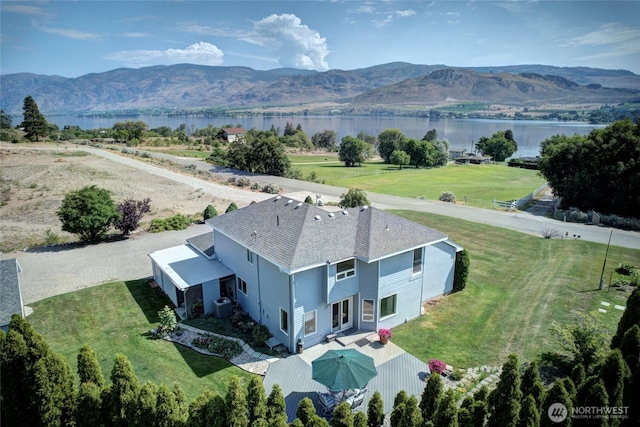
<point x="249" y="360"/>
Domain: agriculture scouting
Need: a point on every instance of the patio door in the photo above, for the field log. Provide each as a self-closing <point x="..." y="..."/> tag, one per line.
<point x="342" y="315"/>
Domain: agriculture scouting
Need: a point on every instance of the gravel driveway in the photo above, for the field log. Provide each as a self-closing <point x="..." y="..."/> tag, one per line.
<point x="53" y="271"/>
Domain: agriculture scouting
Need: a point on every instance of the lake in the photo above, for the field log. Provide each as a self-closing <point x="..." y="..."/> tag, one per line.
<point x="461" y="133"/>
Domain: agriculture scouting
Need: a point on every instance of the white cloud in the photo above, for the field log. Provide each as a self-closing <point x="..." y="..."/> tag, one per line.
<point x="136" y="35"/>
<point x="405" y="13"/>
<point x="202" y="53"/>
<point x="22" y="9"/>
<point x="610" y="41"/>
<point x="295" y="44"/>
<point x="365" y="9"/>
<point x="71" y="34"/>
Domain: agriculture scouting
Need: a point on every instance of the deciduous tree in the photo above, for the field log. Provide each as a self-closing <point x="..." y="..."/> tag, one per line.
<point x="131" y="212"/>
<point x="390" y="140"/>
<point x="327" y="139"/>
<point x="353" y="151"/>
<point x="499" y="147"/>
<point x="400" y="158"/>
<point x="88" y="212"/>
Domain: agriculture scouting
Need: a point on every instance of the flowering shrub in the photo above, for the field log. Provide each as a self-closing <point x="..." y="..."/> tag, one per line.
<point x="437" y="366"/>
<point x="385" y="333"/>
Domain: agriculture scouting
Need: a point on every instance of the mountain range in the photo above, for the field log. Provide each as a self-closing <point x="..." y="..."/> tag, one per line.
<point x="397" y="84"/>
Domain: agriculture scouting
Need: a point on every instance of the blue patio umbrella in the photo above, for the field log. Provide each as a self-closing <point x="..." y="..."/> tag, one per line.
<point x="343" y="369"/>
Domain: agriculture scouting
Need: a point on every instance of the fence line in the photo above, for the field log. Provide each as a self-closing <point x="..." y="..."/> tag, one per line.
<point x="517" y="204"/>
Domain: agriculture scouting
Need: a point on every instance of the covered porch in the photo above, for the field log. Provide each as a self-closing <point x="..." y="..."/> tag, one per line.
<point x="192" y="281"/>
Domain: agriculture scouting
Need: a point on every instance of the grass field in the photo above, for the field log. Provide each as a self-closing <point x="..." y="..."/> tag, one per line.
<point x="116" y="318"/>
<point x="518" y="284"/>
<point x="473" y="181"/>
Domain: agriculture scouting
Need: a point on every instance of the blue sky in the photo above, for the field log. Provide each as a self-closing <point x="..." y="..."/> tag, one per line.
<point x="73" y="38"/>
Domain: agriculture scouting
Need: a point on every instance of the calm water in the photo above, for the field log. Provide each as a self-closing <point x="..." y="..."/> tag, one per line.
<point x="461" y="133"/>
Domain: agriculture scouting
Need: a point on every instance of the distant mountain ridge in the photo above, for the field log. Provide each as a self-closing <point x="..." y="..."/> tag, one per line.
<point x="188" y="86"/>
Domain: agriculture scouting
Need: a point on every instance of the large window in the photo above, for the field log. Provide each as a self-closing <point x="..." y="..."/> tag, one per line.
<point x="310" y="323"/>
<point x="367" y="310"/>
<point x="417" y="260"/>
<point x="284" y="321"/>
<point x="388" y="306"/>
<point x="346" y="269"/>
<point x="242" y="286"/>
<point x="249" y="256"/>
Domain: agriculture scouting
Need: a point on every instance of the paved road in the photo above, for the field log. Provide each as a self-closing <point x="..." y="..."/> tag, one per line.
<point x="55" y="271"/>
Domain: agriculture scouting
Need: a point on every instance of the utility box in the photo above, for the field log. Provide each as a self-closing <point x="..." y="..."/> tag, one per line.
<point x="222" y="308"/>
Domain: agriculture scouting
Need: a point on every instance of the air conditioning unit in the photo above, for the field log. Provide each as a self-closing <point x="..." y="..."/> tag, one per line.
<point x="222" y="308"/>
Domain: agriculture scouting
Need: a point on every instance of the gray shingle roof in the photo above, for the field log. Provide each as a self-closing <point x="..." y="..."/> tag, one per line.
<point x="10" y="294"/>
<point x="296" y="236"/>
<point x="203" y="243"/>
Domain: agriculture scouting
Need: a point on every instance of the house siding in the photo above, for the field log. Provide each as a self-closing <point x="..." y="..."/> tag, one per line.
<point x="368" y="290"/>
<point x="210" y="293"/>
<point x="272" y="293"/>
<point x="309" y="297"/>
<point x="341" y="289"/>
<point x="438" y="267"/>
<point x="396" y="278"/>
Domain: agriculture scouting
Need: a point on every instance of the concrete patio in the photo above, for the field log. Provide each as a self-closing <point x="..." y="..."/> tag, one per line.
<point x="397" y="370"/>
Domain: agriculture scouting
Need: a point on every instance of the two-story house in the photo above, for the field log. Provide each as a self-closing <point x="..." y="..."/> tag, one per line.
<point x="307" y="273"/>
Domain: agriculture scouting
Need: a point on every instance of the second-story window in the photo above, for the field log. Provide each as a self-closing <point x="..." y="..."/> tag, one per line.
<point x="346" y="269"/>
<point x="249" y="256"/>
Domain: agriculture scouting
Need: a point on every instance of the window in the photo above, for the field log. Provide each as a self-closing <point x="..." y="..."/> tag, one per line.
<point x="388" y="306"/>
<point x="242" y="286"/>
<point x="310" y="323"/>
<point x="249" y="256"/>
<point x="367" y="310"/>
<point x="417" y="260"/>
<point x="346" y="269"/>
<point x="284" y="321"/>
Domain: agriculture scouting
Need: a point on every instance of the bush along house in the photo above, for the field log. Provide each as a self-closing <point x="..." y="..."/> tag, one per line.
<point x="307" y="273"/>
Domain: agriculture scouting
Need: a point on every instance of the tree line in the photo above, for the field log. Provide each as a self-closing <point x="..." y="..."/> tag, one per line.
<point x="39" y="388"/>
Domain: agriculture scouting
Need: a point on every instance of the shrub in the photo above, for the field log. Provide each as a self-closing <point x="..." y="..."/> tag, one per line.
<point x="271" y="189"/>
<point x="437" y="366"/>
<point x="210" y="212"/>
<point x="168" y="321"/>
<point x="175" y="222"/>
<point x="255" y="186"/>
<point x="447" y="196"/>
<point x="625" y="269"/>
<point x="260" y="334"/>
<point x="232" y="207"/>
<point x="243" y="182"/>
<point x="461" y="270"/>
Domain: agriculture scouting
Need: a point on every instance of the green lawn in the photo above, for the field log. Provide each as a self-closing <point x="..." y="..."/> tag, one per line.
<point x="517" y="285"/>
<point x="116" y="318"/>
<point x="473" y="181"/>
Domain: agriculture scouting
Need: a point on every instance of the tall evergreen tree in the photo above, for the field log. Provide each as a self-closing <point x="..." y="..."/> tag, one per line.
<point x="34" y="123"/>
<point x="504" y="400"/>
<point x="431" y="396"/>
<point x="198" y="410"/>
<point x="447" y="413"/>
<point x="556" y="394"/>
<point x="54" y="392"/>
<point x="630" y="348"/>
<point x="89" y="370"/>
<point x="571" y="389"/>
<point x="17" y="399"/>
<point x="596" y="396"/>
<point x="411" y="416"/>
<point x="276" y="407"/>
<point x="360" y="419"/>
<point x="123" y="391"/>
<point x="89" y="406"/>
<point x="578" y="375"/>
<point x="305" y="411"/>
<point x="479" y="412"/>
<point x="532" y="384"/>
<point x="614" y="374"/>
<point x="144" y="412"/>
<point x="257" y="400"/>
<point x="529" y="414"/>
<point x="631" y="315"/>
<point x="237" y="414"/>
<point x="168" y="412"/>
<point x="464" y="418"/>
<point x="181" y="399"/>
<point x="399" y="406"/>
<point x="375" y="410"/>
<point x="342" y="416"/>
